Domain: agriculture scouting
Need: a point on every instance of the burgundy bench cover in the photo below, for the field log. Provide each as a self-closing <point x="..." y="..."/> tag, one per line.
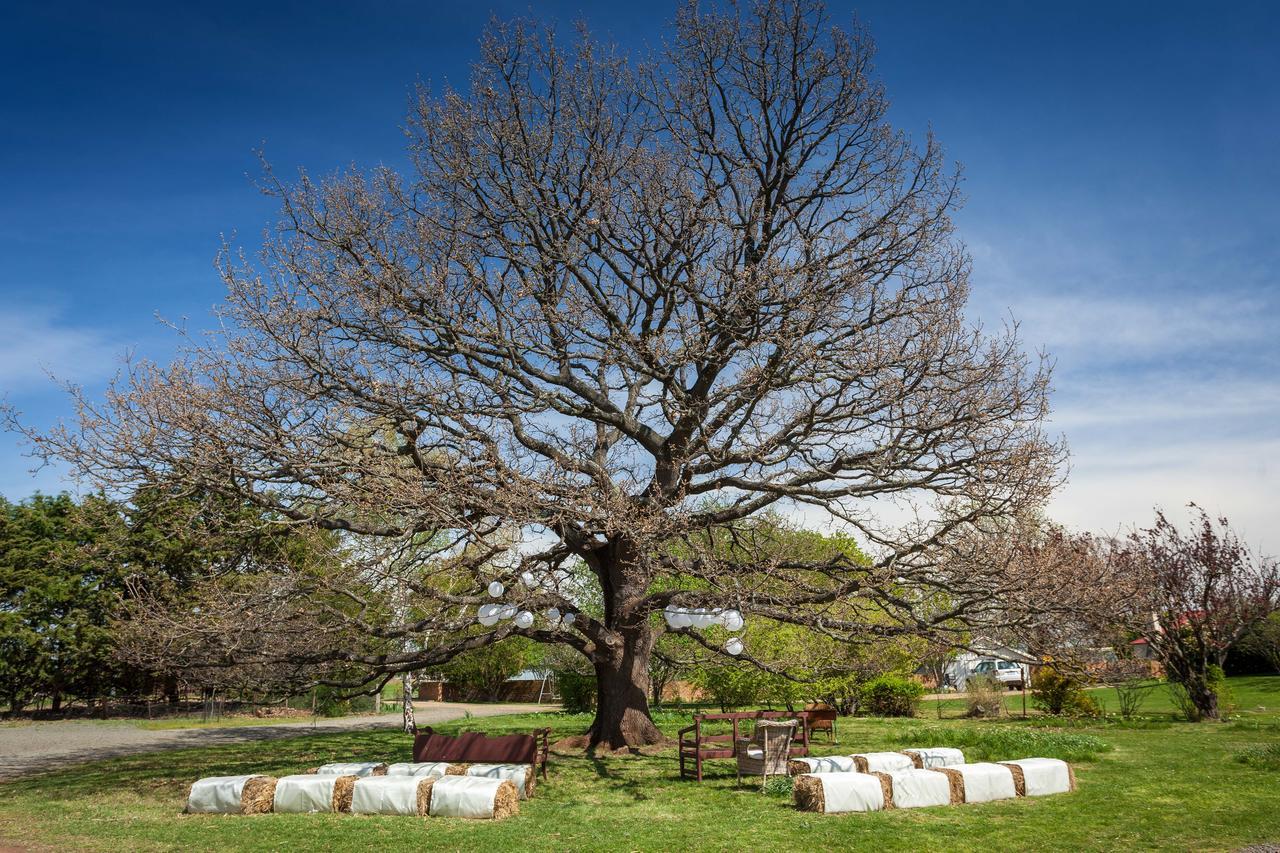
<point x="475" y="747"/>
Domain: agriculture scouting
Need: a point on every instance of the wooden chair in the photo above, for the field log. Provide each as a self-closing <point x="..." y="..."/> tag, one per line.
<point x="822" y="718"/>
<point x="766" y="751"/>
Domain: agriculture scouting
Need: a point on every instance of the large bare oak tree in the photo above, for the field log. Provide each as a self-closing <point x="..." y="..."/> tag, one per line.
<point x="618" y="311"/>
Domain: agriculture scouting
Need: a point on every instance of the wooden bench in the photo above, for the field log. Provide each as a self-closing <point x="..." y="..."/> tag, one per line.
<point x="697" y="746"/>
<point x="475" y="747"/>
<point x="822" y="718"/>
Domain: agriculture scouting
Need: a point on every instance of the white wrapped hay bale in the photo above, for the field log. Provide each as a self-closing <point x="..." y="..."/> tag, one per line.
<point x="981" y="782"/>
<point x="929" y="757"/>
<point x="833" y="793"/>
<point x="398" y="795"/>
<point x="429" y="769"/>
<point x="917" y="788"/>
<point x="473" y="797"/>
<point x="881" y="762"/>
<point x="353" y="768"/>
<point x="1039" y="777"/>
<point x="250" y="794"/>
<point x="522" y="775"/>
<point x="822" y="764"/>
<point x="313" y="792"/>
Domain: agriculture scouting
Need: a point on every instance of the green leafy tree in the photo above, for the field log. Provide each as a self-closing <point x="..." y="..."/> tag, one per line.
<point x="61" y="591"/>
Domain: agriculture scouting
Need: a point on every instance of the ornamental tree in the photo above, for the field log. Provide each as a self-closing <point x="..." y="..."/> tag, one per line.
<point x="617" y="311"/>
<point x="1195" y="595"/>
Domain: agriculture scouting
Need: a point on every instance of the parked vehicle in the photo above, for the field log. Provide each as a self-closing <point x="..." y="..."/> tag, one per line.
<point x="1009" y="673"/>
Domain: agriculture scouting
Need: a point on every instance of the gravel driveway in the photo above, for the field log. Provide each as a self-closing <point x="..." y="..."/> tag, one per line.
<point x="48" y="746"/>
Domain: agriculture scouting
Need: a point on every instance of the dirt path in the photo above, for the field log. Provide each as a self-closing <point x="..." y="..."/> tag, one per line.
<point x="39" y="747"/>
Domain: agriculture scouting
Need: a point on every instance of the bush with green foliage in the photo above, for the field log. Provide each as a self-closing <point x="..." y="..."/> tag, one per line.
<point x="1059" y="694"/>
<point x="891" y="696"/>
<point x="1262" y="756"/>
<point x="984" y="697"/>
<point x="1216" y="680"/>
<point x="577" y="691"/>
<point x="481" y="674"/>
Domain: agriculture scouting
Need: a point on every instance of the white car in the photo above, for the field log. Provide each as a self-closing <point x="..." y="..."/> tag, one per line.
<point x="1007" y="672"/>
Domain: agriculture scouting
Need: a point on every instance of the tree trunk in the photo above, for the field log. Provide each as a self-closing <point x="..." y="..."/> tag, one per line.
<point x="406" y="703"/>
<point x="1203" y="697"/>
<point x="622" y="685"/>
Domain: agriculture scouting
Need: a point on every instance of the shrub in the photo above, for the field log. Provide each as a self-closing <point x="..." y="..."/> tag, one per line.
<point x="891" y="696"/>
<point x="1058" y="694"/>
<point x="329" y="702"/>
<point x="1215" y="680"/>
<point x="779" y="786"/>
<point x="729" y="686"/>
<point x="577" y="691"/>
<point x="1262" y="757"/>
<point x="985" y="697"/>
<point x="1003" y="742"/>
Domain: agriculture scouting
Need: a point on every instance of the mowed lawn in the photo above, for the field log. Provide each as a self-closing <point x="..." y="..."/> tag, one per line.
<point x="1154" y="784"/>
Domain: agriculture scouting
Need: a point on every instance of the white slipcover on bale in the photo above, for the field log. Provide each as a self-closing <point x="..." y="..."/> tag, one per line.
<point x="827" y="764"/>
<point x="388" y="795"/>
<point x="834" y="793"/>
<point x="471" y="797"/>
<point x="308" y="792"/>
<point x="1044" y="776"/>
<point x="429" y="769"/>
<point x="521" y="775"/>
<point x="984" y="781"/>
<point x="221" y="795"/>
<point x="881" y="762"/>
<point x="917" y="788"/>
<point x="352" y="768"/>
<point x="930" y="757"/>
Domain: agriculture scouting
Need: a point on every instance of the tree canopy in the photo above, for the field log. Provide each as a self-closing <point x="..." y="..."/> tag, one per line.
<point x="618" y="310"/>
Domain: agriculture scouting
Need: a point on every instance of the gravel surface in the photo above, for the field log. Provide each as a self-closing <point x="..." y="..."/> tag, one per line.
<point x="40" y="747"/>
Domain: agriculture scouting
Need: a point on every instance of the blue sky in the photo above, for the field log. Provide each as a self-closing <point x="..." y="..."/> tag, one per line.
<point x="1121" y="173"/>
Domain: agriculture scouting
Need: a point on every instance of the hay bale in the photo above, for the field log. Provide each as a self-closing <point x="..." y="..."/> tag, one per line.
<point x="838" y="792"/>
<point x="1039" y="777"/>
<point x="393" y="795"/>
<point x="258" y="795"/>
<point x="807" y="794"/>
<point x="1071" y="777"/>
<point x="881" y="762"/>
<point x="418" y="768"/>
<point x="823" y="764"/>
<point x="424" y="795"/>
<point x="506" y="802"/>
<point x="231" y="795"/>
<point x="343" y="787"/>
<point x="522" y="775"/>
<point x="932" y="757"/>
<point x="956" y="782"/>
<point x="457" y="770"/>
<point x="473" y="797"/>
<point x="1019" y="779"/>
<point x="352" y="768"/>
<point x="984" y="781"/>
<point x="307" y="792"/>
<point x="918" y="788"/>
<point x="886" y="788"/>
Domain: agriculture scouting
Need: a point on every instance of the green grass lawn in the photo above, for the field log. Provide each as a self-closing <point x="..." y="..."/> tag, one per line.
<point x="1146" y="784"/>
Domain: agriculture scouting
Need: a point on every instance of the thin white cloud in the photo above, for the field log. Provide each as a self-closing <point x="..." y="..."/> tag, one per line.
<point x="1100" y="327"/>
<point x="37" y="342"/>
